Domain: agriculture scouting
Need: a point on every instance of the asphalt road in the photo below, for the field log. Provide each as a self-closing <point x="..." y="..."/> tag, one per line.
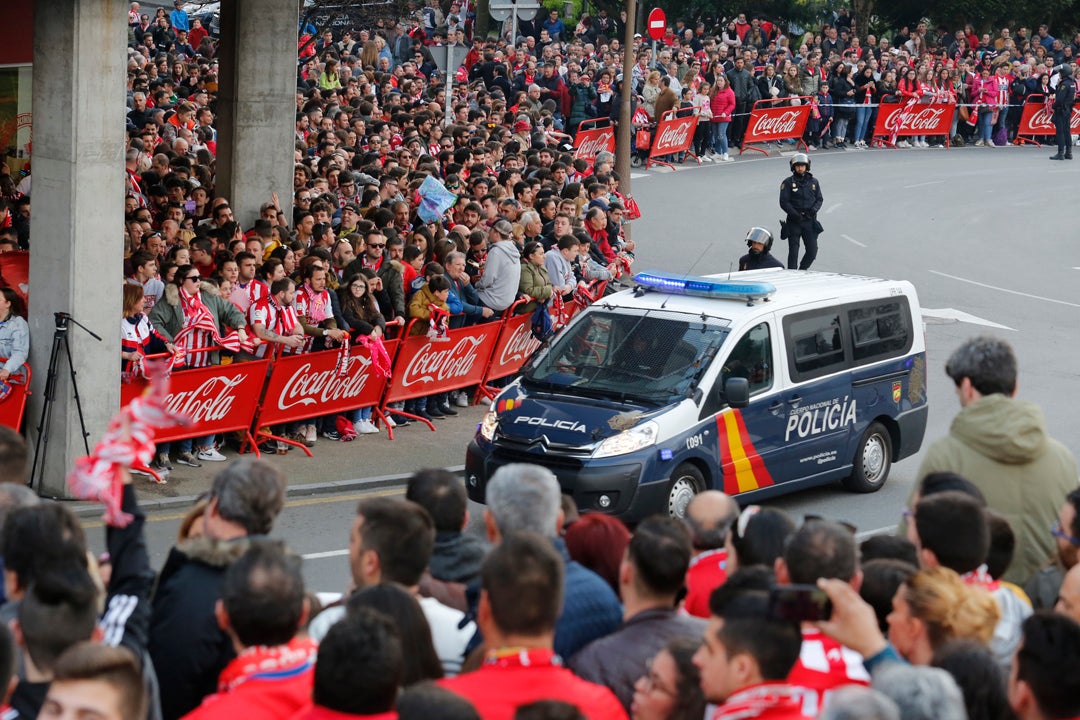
<point x="983" y="234"/>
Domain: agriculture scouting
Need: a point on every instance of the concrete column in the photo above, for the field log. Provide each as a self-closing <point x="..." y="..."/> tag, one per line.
<point x="80" y="61"/>
<point x="256" y="104"/>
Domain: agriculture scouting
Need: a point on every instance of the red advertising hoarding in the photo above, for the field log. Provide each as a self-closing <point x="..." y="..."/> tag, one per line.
<point x="674" y="134"/>
<point x="917" y="119"/>
<point x="591" y="141"/>
<point x="770" y="124"/>
<point x="425" y="366"/>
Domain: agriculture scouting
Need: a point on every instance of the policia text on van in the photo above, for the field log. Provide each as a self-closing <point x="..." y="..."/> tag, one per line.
<point x="773" y="381"/>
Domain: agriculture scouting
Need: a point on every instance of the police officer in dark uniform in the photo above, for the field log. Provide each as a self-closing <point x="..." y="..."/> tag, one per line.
<point x="1063" y="106"/>
<point x="759" y="240"/>
<point x="800" y="198"/>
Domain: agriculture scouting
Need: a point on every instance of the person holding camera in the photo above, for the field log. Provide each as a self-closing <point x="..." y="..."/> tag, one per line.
<point x="800" y="198"/>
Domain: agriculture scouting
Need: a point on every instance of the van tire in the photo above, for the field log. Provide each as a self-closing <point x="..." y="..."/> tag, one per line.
<point x="873" y="460"/>
<point x="685" y="483"/>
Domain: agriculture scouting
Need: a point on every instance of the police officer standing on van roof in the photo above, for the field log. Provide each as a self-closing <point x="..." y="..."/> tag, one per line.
<point x="1064" y="98"/>
<point x="800" y="198"/>
<point x="759" y="240"/>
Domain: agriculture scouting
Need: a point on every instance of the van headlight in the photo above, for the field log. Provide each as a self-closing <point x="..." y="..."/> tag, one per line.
<point x="629" y="441"/>
<point x="489" y="424"/>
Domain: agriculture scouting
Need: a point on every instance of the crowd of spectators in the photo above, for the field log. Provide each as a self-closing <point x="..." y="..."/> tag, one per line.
<point x="543" y="614"/>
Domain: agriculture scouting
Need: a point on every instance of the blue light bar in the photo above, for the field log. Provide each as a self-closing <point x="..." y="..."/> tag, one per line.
<point x="703" y="286"/>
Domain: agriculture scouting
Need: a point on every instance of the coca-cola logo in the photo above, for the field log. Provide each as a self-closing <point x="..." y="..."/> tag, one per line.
<point x="925" y="120"/>
<point x="209" y="402"/>
<point x="776" y="124"/>
<point x="674" y="136"/>
<point x="436" y="361"/>
<point x="324" y="386"/>
<point x="519" y="346"/>
<point x="1043" y="120"/>
<point x="590" y="147"/>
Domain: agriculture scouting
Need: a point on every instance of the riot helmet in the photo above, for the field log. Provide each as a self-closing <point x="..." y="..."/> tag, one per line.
<point x="1066" y="70"/>
<point x="759" y="235"/>
<point x="799" y="159"/>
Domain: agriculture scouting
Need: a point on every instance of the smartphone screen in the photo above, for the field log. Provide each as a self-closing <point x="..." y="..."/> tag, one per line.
<point x="189" y="206"/>
<point x="799" y="603"/>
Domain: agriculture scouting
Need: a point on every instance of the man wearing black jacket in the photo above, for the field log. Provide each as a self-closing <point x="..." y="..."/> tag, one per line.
<point x="800" y="198"/>
<point x="1063" y="107"/>
<point x="188" y="647"/>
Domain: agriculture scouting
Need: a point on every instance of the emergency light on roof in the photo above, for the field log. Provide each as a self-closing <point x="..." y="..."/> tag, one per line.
<point x="703" y="286"/>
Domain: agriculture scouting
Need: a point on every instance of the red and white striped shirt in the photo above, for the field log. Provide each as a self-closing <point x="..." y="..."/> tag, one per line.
<point x="823" y="665"/>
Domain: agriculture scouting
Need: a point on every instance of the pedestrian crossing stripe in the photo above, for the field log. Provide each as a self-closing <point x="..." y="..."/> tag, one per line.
<point x="743" y="468"/>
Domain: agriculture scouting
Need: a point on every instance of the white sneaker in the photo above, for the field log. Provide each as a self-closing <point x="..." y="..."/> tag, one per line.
<point x="310" y="436"/>
<point x="211" y="455"/>
<point x="727" y="158"/>
<point x="903" y="144"/>
<point x="365" y="427"/>
<point x="390" y="421"/>
<point x="461" y="399"/>
<point x="924" y="144"/>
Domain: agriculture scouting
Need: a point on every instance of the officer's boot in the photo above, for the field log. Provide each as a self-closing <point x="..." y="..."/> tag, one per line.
<point x="1068" y="153"/>
<point x="1060" y="154"/>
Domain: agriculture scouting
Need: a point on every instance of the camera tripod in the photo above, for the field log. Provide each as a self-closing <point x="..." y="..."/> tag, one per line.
<point x="60" y="342"/>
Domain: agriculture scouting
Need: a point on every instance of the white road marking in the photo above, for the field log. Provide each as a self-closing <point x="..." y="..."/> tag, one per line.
<point x="932" y="182"/>
<point x="1076" y="268"/>
<point x="852" y="240"/>
<point x="637" y="176"/>
<point x="829" y="211"/>
<point x="1006" y="290"/>
<point x="961" y="316"/>
<point x="879" y="531"/>
<point x="328" y="554"/>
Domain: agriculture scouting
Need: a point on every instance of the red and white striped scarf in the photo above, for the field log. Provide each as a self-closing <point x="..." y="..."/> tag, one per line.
<point x="200" y="331"/>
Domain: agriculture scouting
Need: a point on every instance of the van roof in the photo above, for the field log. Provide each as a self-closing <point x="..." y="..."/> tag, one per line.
<point x="793" y="288"/>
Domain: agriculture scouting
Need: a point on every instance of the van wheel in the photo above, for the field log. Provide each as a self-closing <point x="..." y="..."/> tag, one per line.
<point x="873" y="460"/>
<point x="686" y="482"/>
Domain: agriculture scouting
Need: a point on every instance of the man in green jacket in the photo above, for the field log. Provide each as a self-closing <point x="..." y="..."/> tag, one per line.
<point x="1001" y="444"/>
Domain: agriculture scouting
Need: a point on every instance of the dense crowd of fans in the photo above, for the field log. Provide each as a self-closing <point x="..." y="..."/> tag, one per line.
<point x="548" y="615"/>
<point x="971" y="611"/>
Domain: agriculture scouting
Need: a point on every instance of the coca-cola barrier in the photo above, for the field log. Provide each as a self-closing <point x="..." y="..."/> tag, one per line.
<point x="591" y="140"/>
<point x="674" y="134"/>
<point x="918" y="119"/>
<point x="217" y="399"/>
<point x="1037" y="120"/>
<point x="14" y="407"/>
<point x="251" y="396"/>
<point x="769" y="123"/>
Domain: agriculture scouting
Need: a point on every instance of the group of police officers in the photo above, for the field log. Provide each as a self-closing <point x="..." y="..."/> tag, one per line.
<point x="800" y="199"/>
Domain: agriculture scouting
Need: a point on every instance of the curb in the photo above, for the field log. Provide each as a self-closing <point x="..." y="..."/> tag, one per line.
<point x="380" y="482"/>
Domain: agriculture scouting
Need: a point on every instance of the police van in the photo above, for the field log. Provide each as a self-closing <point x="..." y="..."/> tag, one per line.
<point x="758" y="384"/>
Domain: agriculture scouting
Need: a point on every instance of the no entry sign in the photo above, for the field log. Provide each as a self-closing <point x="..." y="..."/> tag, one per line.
<point x="657" y="23"/>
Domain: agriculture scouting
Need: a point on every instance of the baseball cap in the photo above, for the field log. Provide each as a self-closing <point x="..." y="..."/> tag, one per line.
<point x="504" y="228"/>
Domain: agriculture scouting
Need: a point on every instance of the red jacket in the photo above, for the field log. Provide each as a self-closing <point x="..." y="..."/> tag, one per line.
<point x="768" y="701"/>
<point x="317" y="712"/>
<point x="503" y="684"/>
<point x="269" y="698"/>
<point x="707" y="572"/>
<point x="722" y="105"/>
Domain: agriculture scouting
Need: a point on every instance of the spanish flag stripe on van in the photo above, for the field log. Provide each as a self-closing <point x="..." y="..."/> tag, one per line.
<point x="742" y="467"/>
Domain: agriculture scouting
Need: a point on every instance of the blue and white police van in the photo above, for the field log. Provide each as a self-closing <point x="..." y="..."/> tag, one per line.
<point x="755" y="383"/>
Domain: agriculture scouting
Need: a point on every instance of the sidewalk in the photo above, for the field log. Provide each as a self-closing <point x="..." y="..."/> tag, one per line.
<point x="369" y="462"/>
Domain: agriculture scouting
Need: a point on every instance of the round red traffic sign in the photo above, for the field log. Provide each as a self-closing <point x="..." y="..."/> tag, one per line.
<point x="657" y="24"/>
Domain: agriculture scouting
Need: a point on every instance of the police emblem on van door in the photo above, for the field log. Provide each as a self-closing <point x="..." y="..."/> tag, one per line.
<point x="896" y="388"/>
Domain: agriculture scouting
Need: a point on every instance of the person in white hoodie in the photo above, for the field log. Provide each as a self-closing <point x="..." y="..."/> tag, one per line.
<point x="498" y="286"/>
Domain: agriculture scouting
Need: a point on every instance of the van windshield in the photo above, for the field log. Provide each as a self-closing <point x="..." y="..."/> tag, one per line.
<point x="653" y="357"/>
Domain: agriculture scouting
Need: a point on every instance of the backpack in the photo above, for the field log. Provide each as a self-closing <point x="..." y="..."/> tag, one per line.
<point x="542" y="327"/>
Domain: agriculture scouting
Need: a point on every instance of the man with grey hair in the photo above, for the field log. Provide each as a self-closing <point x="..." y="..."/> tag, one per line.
<point x="526" y="498"/>
<point x="855" y="702"/>
<point x="1001" y="444"/>
<point x="921" y="693"/>
<point x="186" y="644"/>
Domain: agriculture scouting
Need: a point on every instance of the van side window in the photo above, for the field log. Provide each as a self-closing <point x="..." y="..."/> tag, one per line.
<point x="817" y="344"/>
<point x="751" y="358"/>
<point x="882" y="329"/>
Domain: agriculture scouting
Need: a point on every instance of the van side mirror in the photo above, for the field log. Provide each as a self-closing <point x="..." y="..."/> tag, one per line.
<point x="737" y="392"/>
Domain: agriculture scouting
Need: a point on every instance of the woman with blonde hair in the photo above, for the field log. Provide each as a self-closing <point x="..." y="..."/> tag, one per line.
<point x="649" y="92"/>
<point x="930" y="608"/>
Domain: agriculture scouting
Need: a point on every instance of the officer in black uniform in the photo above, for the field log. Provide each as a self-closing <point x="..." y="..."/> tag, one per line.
<point x="1063" y="106"/>
<point x="800" y="198"/>
<point x="759" y="240"/>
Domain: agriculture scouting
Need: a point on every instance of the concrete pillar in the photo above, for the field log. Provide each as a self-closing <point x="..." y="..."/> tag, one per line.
<point x="80" y="61"/>
<point x="257" y="105"/>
